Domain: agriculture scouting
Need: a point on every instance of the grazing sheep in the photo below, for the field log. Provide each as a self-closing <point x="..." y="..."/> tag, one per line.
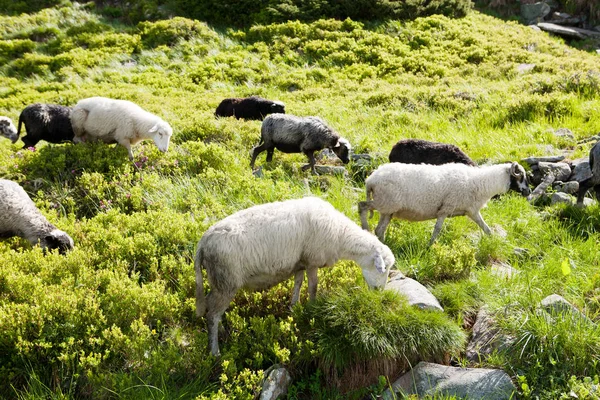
<point x="49" y="122"/>
<point x="266" y="244"/>
<point x="118" y="121"/>
<point x="20" y="217"/>
<point x="7" y="129"/>
<point x="418" y="151"/>
<point x="594" y="180"/>
<point x="253" y="107"/>
<point x="292" y="134"/>
<point x="418" y="192"/>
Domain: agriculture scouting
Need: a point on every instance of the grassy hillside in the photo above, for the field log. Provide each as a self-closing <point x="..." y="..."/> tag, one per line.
<point x="115" y="317"/>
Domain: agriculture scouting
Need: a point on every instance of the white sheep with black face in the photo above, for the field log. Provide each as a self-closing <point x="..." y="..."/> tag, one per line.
<point x="118" y="121"/>
<point x="418" y="192"/>
<point x="266" y="244"/>
<point x="291" y="134"/>
<point x="20" y="217"/>
<point x="8" y="129"/>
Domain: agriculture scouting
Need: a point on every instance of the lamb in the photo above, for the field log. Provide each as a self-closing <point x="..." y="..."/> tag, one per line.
<point x="594" y="180"/>
<point x="253" y="108"/>
<point x="421" y="192"/>
<point x="7" y="129"/>
<point x="118" y="121"/>
<point x="49" y="122"/>
<point x="20" y="217"/>
<point x="418" y="151"/>
<point x="292" y="134"/>
<point x="266" y="244"/>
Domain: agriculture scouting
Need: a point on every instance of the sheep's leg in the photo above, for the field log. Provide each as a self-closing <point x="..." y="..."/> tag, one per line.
<point x="584" y="186"/>
<point x="437" y="229"/>
<point x="298" y="279"/>
<point x="270" y="154"/>
<point x="255" y="152"/>
<point x="384" y="220"/>
<point x="313" y="280"/>
<point x="216" y="304"/>
<point x="311" y="162"/>
<point x="479" y="221"/>
<point x="363" y="207"/>
<point x="127" y="145"/>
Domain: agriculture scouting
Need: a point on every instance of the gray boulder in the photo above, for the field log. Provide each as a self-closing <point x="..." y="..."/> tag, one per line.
<point x="535" y="160"/>
<point x="536" y="12"/>
<point x="486" y="337"/>
<point x="560" y="197"/>
<point x="567" y="187"/>
<point x="428" y="379"/>
<point x="558" y="305"/>
<point x="569" y="32"/>
<point x="560" y="170"/>
<point x="331" y="170"/>
<point x="417" y="294"/>
<point x="275" y="385"/>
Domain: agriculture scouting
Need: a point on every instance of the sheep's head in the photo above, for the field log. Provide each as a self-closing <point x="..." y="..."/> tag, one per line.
<point x="342" y="149"/>
<point x="8" y="130"/>
<point x="518" y="179"/>
<point x="277" y="107"/>
<point x="161" y="133"/>
<point x="57" y="239"/>
<point x="376" y="266"/>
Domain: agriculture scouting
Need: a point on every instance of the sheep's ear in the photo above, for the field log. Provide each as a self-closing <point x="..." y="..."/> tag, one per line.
<point x="379" y="263"/>
<point x="154" y="128"/>
<point x="514" y="170"/>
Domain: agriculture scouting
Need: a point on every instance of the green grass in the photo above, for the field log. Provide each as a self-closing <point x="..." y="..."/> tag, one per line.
<point x="115" y="317"/>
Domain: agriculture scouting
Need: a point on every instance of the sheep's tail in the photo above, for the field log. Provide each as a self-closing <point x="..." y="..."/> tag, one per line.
<point x="365" y="206"/>
<point x="200" y="298"/>
<point x="19" y="126"/>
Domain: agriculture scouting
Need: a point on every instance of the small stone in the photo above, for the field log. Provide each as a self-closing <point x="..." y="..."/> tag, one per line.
<point x="560" y="197"/>
<point x="567" y="187"/>
<point x="417" y="294"/>
<point x="521" y="68"/>
<point x="276" y="383"/>
<point x="564" y="132"/>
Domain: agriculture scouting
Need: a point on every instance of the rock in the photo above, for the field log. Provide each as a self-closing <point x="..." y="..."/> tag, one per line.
<point x="486" y="337"/>
<point x="580" y="169"/>
<point x="428" y="379"/>
<point x="567" y="187"/>
<point x="417" y="294"/>
<point x="503" y="270"/>
<point x="588" y="202"/>
<point x="520" y="251"/>
<point x="569" y="32"/>
<point x="541" y="188"/>
<point x="565" y="19"/>
<point x="560" y="197"/>
<point x="535" y="160"/>
<point x="276" y="383"/>
<point x="521" y="68"/>
<point x="534" y="12"/>
<point x="593" y="138"/>
<point x="560" y="170"/>
<point x="356" y="157"/>
<point x="564" y="132"/>
<point x="558" y="305"/>
<point x="258" y="172"/>
<point x="331" y="170"/>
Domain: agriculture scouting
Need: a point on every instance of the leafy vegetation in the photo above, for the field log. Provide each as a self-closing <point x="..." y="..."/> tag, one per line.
<point x="115" y="317"/>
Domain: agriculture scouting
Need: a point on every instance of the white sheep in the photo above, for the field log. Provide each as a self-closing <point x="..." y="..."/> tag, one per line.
<point x="266" y="244"/>
<point x="20" y="217"/>
<point x="418" y="192"/>
<point x="118" y="121"/>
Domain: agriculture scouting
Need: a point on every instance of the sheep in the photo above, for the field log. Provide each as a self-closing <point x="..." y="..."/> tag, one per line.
<point x="253" y="108"/>
<point x="264" y="245"/>
<point x="292" y="134"/>
<point x="20" y="217"/>
<point x="7" y="129"/>
<point x="594" y="180"/>
<point x="418" y="192"/>
<point x="118" y="121"/>
<point x="418" y="151"/>
<point x="49" y="122"/>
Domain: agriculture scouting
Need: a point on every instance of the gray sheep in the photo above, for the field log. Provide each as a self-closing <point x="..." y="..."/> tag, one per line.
<point x="594" y="180"/>
<point x="49" y="122"/>
<point x="292" y="134"/>
<point x="7" y="129"/>
<point x="253" y="108"/>
<point x="20" y="217"/>
<point x="419" y="151"/>
<point x="266" y="244"/>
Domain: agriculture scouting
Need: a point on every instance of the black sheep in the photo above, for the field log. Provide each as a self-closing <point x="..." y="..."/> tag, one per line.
<point x="253" y="107"/>
<point x="418" y="151"/>
<point x="49" y="122"/>
<point x="594" y="180"/>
